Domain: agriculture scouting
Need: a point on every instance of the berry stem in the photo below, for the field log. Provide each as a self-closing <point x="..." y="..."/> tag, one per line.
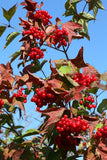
<point x="65" y="53"/>
<point x="43" y="73"/>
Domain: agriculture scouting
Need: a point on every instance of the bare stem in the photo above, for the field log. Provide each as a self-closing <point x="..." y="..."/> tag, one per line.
<point x="10" y="26"/>
<point x="65" y="53"/>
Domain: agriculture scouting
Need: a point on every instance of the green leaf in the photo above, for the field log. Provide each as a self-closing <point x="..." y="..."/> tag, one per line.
<point x="87" y="16"/>
<point x="9" y="14"/>
<point x="15" y="55"/>
<point x="84" y="31"/>
<point x="92" y="90"/>
<point x="30" y="132"/>
<point x="10" y="38"/>
<point x="100" y="5"/>
<point x="75" y="104"/>
<point x="43" y="62"/>
<point x="65" y="69"/>
<point x="2" y="29"/>
<point x="99" y="125"/>
<point x="102" y="106"/>
<point x="70" y="8"/>
<point x="75" y="1"/>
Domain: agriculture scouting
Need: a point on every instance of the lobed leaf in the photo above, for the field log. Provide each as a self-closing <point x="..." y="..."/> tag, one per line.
<point x="9" y="14"/>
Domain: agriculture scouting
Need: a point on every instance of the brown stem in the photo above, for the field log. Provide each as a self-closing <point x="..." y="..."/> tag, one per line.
<point x="10" y="26"/>
<point x="65" y="53"/>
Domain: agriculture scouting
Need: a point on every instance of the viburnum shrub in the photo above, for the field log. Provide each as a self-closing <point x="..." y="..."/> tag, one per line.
<point x="74" y="124"/>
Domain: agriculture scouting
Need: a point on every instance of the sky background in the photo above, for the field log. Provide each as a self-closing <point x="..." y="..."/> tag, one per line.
<point x="95" y="50"/>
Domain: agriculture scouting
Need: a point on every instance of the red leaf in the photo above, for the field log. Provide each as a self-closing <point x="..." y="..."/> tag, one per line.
<point x="70" y="27"/>
<point x="79" y="61"/>
<point x="92" y="122"/>
<point x="102" y="148"/>
<point x="29" y="5"/>
<point x="19" y="103"/>
<point x="54" y="115"/>
<point x="36" y="80"/>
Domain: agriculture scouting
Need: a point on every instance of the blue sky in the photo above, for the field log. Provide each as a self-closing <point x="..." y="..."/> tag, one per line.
<point x="95" y="50"/>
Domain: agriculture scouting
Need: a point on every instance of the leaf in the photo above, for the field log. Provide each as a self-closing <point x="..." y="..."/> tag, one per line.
<point x="70" y="8"/>
<point x="10" y="38"/>
<point x="99" y="125"/>
<point x="9" y="14"/>
<point x="29" y="5"/>
<point x="70" y="27"/>
<point x="2" y="29"/>
<point x="102" y="106"/>
<point x="30" y="132"/>
<point x="19" y="103"/>
<point x="54" y="115"/>
<point x="84" y="31"/>
<point x="79" y="61"/>
<point x="43" y="62"/>
<point x="75" y="1"/>
<point x="15" y="55"/>
<point x="95" y="5"/>
<point x="102" y="149"/>
<point x="65" y="69"/>
<point x="92" y="90"/>
<point x="103" y="76"/>
<point x="87" y="16"/>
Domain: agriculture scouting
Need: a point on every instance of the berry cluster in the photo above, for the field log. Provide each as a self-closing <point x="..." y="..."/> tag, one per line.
<point x="66" y="127"/>
<point x="59" y="37"/>
<point x="65" y="142"/>
<point x="101" y="133"/>
<point x="36" y="32"/>
<point x="75" y="125"/>
<point x="43" y="16"/>
<point x="20" y="94"/>
<point x="88" y="102"/>
<point x="43" y="97"/>
<point x="84" y="80"/>
<point x="1" y="103"/>
<point x="36" y="53"/>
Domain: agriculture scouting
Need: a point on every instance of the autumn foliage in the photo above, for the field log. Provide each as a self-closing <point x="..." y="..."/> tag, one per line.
<point x="74" y="124"/>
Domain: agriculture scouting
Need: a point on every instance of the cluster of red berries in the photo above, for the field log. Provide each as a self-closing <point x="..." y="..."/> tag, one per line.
<point x="59" y="37"/>
<point x="36" y="32"/>
<point x="44" y="97"/>
<point x="43" y="16"/>
<point x="101" y="133"/>
<point x="84" y="80"/>
<point x="1" y="103"/>
<point x="66" y="127"/>
<point x="65" y="142"/>
<point x="36" y="53"/>
<point x="20" y="94"/>
<point x="75" y="125"/>
<point x="88" y="102"/>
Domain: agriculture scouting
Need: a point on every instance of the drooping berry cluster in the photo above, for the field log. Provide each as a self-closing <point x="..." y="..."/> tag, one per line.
<point x="1" y="103"/>
<point x="66" y="127"/>
<point x="84" y="80"/>
<point x="101" y="133"/>
<point x="59" y="37"/>
<point x="43" y="16"/>
<point x="88" y="102"/>
<point x="36" y="32"/>
<point x="36" y="53"/>
<point x="44" y="97"/>
<point x="19" y="93"/>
